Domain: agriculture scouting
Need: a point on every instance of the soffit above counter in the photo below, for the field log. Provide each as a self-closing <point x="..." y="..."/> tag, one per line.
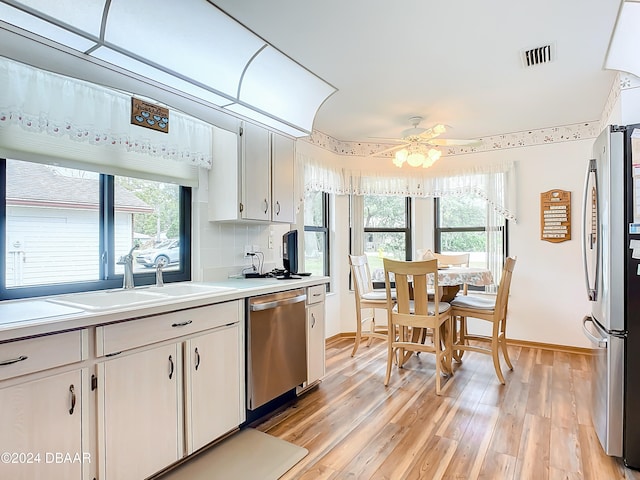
<point x="190" y="46"/>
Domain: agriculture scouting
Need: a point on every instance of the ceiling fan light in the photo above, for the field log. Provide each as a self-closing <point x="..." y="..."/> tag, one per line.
<point x="438" y="129"/>
<point x="434" y="154"/>
<point x="400" y="157"/>
<point x="415" y="159"/>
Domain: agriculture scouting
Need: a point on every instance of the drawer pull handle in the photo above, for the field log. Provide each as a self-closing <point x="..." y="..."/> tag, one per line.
<point x="171" y="367"/>
<point x="313" y="320"/>
<point x="197" y="358"/>
<point x="182" y="324"/>
<point x="72" y="390"/>
<point x="13" y="360"/>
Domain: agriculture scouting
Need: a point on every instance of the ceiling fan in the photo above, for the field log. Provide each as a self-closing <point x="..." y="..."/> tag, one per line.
<point x="417" y="144"/>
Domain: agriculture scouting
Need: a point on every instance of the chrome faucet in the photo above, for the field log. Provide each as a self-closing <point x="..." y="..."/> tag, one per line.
<point x="159" y="279"/>
<point x="127" y="261"/>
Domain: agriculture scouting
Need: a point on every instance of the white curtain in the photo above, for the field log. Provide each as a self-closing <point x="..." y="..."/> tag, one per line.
<point x="495" y="183"/>
<point x="42" y="113"/>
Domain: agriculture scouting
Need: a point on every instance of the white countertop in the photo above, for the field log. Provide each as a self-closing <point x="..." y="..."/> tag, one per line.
<point x="38" y="316"/>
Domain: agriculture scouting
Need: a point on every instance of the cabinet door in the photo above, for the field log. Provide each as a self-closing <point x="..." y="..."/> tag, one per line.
<point x="141" y="412"/>
<point x="214" y="395"/>
<point x="256" y="173"/>
<point x="315" y="343"/>
<point x="224" y="176"/>
<point x="283" y="179"/>
<point x="41" y="434"/>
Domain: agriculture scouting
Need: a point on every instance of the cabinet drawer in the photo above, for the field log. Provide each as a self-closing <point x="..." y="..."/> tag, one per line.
<point x="316" y="294"/>
<point x="145" y="331"/>
<point x="41" y="353"/>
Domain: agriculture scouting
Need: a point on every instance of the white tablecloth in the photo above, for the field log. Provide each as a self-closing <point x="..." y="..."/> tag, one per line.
<point x="452" y="276"/>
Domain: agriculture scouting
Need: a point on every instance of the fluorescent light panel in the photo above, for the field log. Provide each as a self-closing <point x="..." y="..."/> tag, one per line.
<point x="272" y="80"/>
<point x="115" y="58"/>
<point x="190" y="37"/>
<point x="625" y="41"/>
<point x="85" y="15"/>
<point x="44" y="29"/>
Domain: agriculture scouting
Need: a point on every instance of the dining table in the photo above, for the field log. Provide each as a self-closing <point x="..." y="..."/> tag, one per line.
<point x="451" y="279"/>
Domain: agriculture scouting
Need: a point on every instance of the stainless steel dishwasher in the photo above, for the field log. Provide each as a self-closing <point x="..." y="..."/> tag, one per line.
<point x="277" y="354"/>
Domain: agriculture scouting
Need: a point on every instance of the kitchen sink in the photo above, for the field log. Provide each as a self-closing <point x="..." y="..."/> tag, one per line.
<point x="187" y="289"/>
<point x="108" y="299"/>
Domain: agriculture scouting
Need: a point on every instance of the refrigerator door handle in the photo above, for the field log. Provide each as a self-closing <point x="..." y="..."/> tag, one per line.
<point x="600" y="341"/>
<point x="592" y="237"/>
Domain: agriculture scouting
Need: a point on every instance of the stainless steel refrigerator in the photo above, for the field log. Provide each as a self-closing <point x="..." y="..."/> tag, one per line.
<point x="611" y="251"/>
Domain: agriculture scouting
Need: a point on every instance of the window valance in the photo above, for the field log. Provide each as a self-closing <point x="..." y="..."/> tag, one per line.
<point x="43" y="113"/>
<point x="494" y="182"/>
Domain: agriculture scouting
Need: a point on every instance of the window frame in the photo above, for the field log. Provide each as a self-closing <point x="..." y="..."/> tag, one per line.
<point x="438" y="231"/>
<point x="407" y="230"/>
<point x="324" y="229"/>
<point x="108" y="279"/>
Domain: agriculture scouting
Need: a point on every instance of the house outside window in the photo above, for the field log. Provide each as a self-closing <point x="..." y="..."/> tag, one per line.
<point x="65" y="229"/>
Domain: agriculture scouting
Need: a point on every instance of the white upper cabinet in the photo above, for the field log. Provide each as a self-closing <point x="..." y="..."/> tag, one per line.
<point x="282" y="179"/>
<point x="252" y="177"/>
<point x="256" y="173"/>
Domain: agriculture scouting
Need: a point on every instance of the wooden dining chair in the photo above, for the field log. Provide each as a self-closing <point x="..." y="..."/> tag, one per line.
<point x="412" y="312"/>
<point x="490" y="310"/>
<point x="368" y="301"/>
<point x="453" y="260"/>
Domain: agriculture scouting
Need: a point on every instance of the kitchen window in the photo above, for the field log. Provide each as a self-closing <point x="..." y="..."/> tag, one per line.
<point x="385" y="230"/>
<point x="462" y="227"/>
<point x="316" y="233"/>
<point x="64" y="229"/>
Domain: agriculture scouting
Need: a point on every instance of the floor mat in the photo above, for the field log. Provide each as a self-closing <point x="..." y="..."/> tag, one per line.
<point x="246" y="455"/>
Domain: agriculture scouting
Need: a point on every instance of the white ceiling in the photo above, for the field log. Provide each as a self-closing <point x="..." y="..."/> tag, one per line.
<point x="452" y="62"/>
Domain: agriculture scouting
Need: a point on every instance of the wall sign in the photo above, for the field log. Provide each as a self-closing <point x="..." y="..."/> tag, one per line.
<point x="555" y="216"/>
<point x="149" y="115"/>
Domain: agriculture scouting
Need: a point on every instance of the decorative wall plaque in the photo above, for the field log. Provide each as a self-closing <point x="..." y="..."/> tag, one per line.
<point x="149" y="115"/>
<point x="555" y="216"/>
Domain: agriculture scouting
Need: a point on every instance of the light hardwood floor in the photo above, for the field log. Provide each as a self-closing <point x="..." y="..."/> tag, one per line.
<point x="535" y="427"/>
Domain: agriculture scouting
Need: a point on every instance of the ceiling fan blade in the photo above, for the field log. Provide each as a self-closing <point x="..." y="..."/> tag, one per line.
<point x="387" y="140"/>
<point x="435" y="131"/>
<point x="452" y="142"/>
<point x="391" y="149"/>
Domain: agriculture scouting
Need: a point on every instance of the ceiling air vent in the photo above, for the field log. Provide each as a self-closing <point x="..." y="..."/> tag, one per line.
<point x="536" y="56"/>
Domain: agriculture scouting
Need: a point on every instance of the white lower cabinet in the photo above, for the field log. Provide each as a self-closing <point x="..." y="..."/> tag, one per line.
<point x="41" y="433"/>
<point x="213" y="386"/>
<point x="176" y="386"/>
<point x="315" y="343"/>
<point x="141" y="412"/>
<point x="315" y="336"/>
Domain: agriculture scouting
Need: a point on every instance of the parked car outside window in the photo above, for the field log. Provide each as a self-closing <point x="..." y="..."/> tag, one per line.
<point x="165" y="253"/>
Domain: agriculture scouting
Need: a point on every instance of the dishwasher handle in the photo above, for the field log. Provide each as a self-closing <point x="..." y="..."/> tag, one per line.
<point x="257" y="306"/>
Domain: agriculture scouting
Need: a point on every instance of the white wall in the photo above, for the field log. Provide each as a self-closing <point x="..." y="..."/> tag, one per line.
<point x="548" y="298"/>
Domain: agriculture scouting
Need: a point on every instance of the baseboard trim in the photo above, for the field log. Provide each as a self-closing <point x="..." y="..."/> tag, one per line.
<point x="551" y="346"/>
<point x="510" y="341"/>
